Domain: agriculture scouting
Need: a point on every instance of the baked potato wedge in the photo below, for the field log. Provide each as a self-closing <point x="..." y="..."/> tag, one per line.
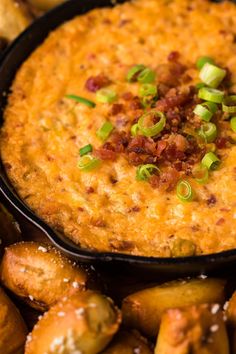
<point x="196" y="330"/>
<point x="128" y="343"/>
<point x="12" y="327"/>
<point x="45" y="5"/>
<point x="9" y="231"/>
<point x="39" y="274"/>
<point x="143" y="310"/>
<point x="82" y="323"/>
<point x="14" y="18"/>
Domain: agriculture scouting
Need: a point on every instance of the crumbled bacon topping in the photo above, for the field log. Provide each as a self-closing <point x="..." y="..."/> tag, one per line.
<point x="95" y="83"/>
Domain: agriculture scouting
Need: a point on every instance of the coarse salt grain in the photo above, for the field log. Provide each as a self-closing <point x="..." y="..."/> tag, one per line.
<point x="79" y="312"/>
<point x="31" y="297"/>
<point x="214" y="328"/>
<point x="226" y="305"/>
<point x="75" y="284"/>
<point x="66" y="280"/>
<point x="215" y="308"/>
<point x="61" y="314"/>
<point x="42" y="249"/>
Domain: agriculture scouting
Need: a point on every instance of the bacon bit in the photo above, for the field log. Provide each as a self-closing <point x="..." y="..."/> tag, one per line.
<point x="135" y="103"/>
<point x="95" y="83"/>
<point x="154" y="180"/>
<point x="134" y="209"/>
<point x="220" y="221"/>
<point x="90" y="190"/>
<point x="120" y="141"/>
<point x="221" y="143"/>
<point x="113" y="180"/>
<point x="169" y="179"/>
<point x="117" y="108"/>
<point x="211" y="200"/>
<point x="180" y="142"/>
<point x="127" y="96"/>
<point x="163" y="89"/>
<point x="80" y="209"/>
<point x="98" y="223"/>
<point x="121" y="245"/>
<point x="161" y="146"/>
<point x="105" y="154"/>
<point x="173" y="56"/>
<point x="134" y="159"/>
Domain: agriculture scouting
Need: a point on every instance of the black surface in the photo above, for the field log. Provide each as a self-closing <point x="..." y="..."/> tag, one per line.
<point x="9" y="64"/>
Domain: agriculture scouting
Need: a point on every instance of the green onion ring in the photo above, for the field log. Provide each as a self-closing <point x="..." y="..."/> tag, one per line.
<point x="134" y="129"/>
<point x="105" y="130"/>
<point x="156" y="128"/>
<point x="208" y="132"/>
<point x="212" y="75"/>
<point x="134" y="71"/>
<point x="229" y="104"/>
<point x="203" y="60"/>
<point x="211" y="95"/>
<point x="233" y="124"/>
<point x="106" y="95"/>
<point x="184" y="191"/>
<point x="81" y="100"/>
<point x="144" y="172"/>
<point x="148" y="90"/>
<point x="203" y="112"/>
<point x="146" y="76"/>
<point x="88" y="163"/>
<point x="210" y="161"/>
<point x="85" y="150"/>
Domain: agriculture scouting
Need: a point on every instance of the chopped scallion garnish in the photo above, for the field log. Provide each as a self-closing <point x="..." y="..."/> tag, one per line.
<point x="203" y="60"/>
<point x="82" y="100"/>
<point x="88" y="163"/>
<point x="212" y="75"/>
<point x="211" y="95"/>
<point x="106" y="95"/>
<point x="134" y="71"/>
<point x="134" y="130"/>
<point x="208" y="132"/>
<point x="233" y="123"/>
<point x="105" y="130"/>
<point x="184" y="191"/>
<point x="146" y="126"/>
<point x="200" y="174"/>
<point x="146" y="76"/>
<point x="210" y="161"/>
<point x="85" y="150"/>
<point x="203" y="111"/>
<point x="229" y="104"/>
<point x="148" y="90"/>
<point x="144" y="172"/>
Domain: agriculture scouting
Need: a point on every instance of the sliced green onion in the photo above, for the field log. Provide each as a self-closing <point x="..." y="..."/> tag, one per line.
<point x="106" y="95"/>
<point x="200" y="85"/>
<point x="208" y="132"/>
<point x="144" y="172"/>
<point x="211" y="95"/>
<point x="212" y="75"/>
<point x="203" y="60"/>
<point x="184" y="191"/>
<point x="151" y="130"/>
<point x="229" y="104"/>
<point x="233" y="124"/>
<point x="85" y="150"/>
<point x="210" y="161"/>
<point x="134" y="129"/>
<point x="81" y="100"/>
<point x="201" y="174"/>
<point x="88" y="163"/>
<point x="203" y="112"/>
<point x="148" y="90"/>
<point x="146" y="76"/>
<point x="134" y="71"/>
<point x="105" y="130"/>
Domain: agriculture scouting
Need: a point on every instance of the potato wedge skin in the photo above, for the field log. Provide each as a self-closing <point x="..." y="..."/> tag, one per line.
<point x="84" y="322"/>
<point x="14" y="18"/>
<point x="128" y="343"/>
<point x="39" y="274"/>
<point x="196" y="329"/>
<point x="12" y="327"/>
<point x="143" y="310"/>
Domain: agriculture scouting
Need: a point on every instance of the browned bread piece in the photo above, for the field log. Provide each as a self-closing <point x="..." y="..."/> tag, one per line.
<point x="12" y="327"/>
<point x="143" y="309"/>
<point x="82" y="323"/>
<point x="196" y="330"/>
<point x="128" y="342"/>
<point x="40" y="274"/>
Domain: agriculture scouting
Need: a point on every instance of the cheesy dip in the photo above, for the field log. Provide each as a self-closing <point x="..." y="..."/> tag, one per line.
<point x="120" y="132"/>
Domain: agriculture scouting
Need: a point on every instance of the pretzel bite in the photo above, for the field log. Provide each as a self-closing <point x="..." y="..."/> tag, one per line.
<point x="39" y="274"/>
<point x="82" y="323"/>
<point x="231" y="315"/>
<point x="196" y="330"/>
<point x="14" y="18"/>
<point x="143" y="310"/>
<point x="128" y="343"/>
<point x="12" y="327"/>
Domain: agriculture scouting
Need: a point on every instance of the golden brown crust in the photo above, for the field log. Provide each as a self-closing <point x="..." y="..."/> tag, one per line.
<point x="128" y="342"/>
<point x="140" y="307"/>
<point x="196" y="330"/>
<point x="39" y="274"/>
<point x="12" y="327"/>
<point x="84" y="322"/>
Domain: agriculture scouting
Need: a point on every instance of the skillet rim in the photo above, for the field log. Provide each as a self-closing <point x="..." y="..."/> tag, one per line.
<point x="7" y="190"/>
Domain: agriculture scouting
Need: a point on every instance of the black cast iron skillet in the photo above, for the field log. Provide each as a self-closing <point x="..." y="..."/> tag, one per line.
<point x="9" y="63"/>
